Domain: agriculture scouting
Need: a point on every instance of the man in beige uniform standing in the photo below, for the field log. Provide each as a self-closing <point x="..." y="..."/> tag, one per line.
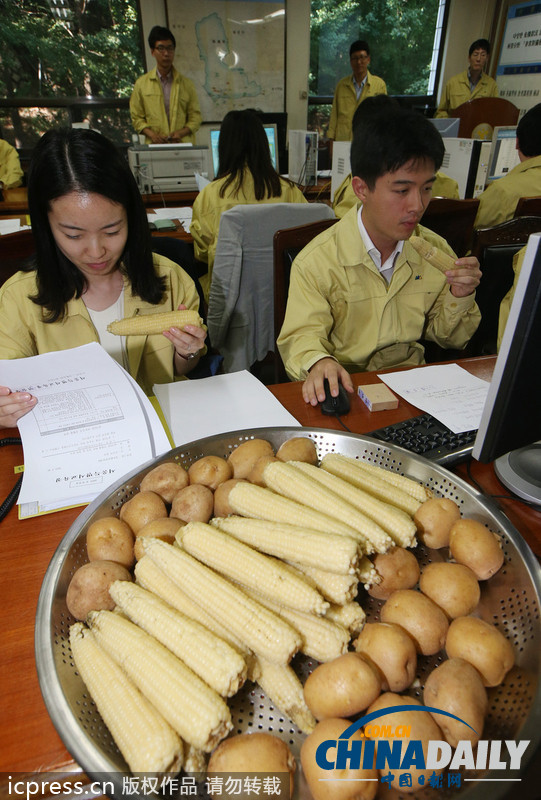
<point x="470" y="84"/>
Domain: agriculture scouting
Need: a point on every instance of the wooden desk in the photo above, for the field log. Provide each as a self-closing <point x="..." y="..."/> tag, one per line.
<point x="28" y="741"/>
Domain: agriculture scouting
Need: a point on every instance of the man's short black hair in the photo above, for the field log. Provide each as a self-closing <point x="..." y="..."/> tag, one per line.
<point x="479" y="44"/>
<point x="160" y="34"/>
<point x="386" y="141"/>
<point x="529" y="132"/>
<point x="373" y="105"/>
<point x="359" y="45"/>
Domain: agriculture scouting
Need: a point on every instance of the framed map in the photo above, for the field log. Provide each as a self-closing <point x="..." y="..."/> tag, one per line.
<point x="234" y="52"/>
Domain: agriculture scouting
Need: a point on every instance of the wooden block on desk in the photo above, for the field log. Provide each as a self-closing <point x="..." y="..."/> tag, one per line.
<point x="377" y="397"/>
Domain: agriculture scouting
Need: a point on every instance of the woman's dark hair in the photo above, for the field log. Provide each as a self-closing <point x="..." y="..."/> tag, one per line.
<point x="244" y="144"/>
<point x="78" y="160"/>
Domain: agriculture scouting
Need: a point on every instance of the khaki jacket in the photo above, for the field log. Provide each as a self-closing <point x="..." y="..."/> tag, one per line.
<point x="457" y="91"/>
<point x="11" y="174"/>
<point x="345" y="104"/>
<point x="498" y="202"/>
<point x="23" y="332"/>
<point x="340" y="306"/>
<point x="147" y="107"/>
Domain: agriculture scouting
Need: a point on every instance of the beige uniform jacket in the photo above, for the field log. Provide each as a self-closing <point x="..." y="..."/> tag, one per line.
<point x="457" y="91"/>
<point x="23" y="332"/>
<point x="340" y="306"/>
<point x="345" y="104"/>
<point x="498" y="202"/>
<point x="147" y="107"/>
<point x="11" y="174"/>
<point x="505" y="305"/>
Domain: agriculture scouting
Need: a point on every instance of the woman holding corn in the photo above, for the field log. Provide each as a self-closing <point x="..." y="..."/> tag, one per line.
<point x="93" y="265"/>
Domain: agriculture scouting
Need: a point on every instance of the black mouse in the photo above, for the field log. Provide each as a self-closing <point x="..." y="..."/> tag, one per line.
<point x="335" y="405"/>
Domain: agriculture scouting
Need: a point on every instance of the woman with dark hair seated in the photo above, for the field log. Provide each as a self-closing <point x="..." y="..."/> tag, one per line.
<point x="93" y="264"/>
<point x="245" y="175"/>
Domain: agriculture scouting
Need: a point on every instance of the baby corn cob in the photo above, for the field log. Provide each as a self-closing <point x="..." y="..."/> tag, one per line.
<point x="408" y="485"/>
<point x="198" y="713"/>
<point x="216" y="662"/>
<point x="147" y="324"/>
<point x="367" y="573"/>
<point x="147" y="742"/>
<point x="432" y="254"/>
<point x="284" y="689"/>
<point x="151" y="577"/>
<point x="399" y="525"/>
<point x="247" y="566"/>
<point x="291" y="482"/>
<point x="255" y="501"/>
<point x="263" y="632"/>
<point x="195" y="761"/>
<point x="335" y="588"/>
<point x="292" y="543"/>
<point x="352" y="470"/>
<point x="351" y="615"/>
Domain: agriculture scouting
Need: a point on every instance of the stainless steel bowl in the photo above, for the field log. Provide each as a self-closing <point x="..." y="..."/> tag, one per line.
<point x="511" y="600"/>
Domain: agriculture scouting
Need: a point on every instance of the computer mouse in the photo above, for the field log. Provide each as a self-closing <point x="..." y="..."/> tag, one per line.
<point x="335" y="405"/>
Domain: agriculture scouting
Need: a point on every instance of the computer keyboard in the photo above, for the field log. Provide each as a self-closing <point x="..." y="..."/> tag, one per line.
<point x="428" y="437"/>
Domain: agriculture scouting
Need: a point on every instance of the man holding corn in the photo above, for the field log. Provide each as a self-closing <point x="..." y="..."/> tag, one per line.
<point x="361" y="297"/>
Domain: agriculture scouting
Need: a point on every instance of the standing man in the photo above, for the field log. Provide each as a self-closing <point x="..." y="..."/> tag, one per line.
<point x="470" y="84"/>
<point x="351" y="91"/>
<point x="164" y="105"/>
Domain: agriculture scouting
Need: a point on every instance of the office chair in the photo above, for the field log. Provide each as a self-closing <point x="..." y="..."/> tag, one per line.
<point x="453" y="220"/>
<point x="528" y="207"/>
<point x="241" y="298"/>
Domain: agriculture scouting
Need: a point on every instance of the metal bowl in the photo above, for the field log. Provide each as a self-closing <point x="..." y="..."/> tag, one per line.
<point x="511" y="600"/>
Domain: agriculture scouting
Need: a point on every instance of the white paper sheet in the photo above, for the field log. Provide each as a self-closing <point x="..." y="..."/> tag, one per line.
<point x="183" y="214"/>
<point x="209" y="406"/>
<point x="448" y="392"/>
<point x="92" y="424"/>
<point x="12" y="226"/>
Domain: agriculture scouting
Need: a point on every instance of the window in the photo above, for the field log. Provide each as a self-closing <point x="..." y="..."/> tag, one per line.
<point x="65" y="61"/>
<point x="404" y="38"/>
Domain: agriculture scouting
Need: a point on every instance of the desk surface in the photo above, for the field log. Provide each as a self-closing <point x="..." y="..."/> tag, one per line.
<point x="28" y="740"/>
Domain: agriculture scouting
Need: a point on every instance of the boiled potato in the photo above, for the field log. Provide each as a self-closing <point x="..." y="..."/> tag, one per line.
<point x="483" y="646"/>
<point x="141" y="509"/>
<point x="342" y="687"/>
<point x="194" y="503"/>
<point x="88" y="590"/>
<point x="243" y="458"/>
<point x="434" y="519"/>
<point x="362" y="783"/>
<point x="453" y="587"/>
<point x="164" y="529"/>
<point x="422" y="727"/>
<point x="423" y="620"/>
<point x="254" y="752"/>
<point x="110" y="539"/>
<point x="455" y="686"/>
<point x="472" y="544"/>
<point x="300" y="448"/>
<point x="256" y="473"/>
<point x="221" y="498"/>
<point x="392" y="651"/>
<point x="210" y="471"/>
<point x="398" y="568"/>
<point x="165" y="480"/>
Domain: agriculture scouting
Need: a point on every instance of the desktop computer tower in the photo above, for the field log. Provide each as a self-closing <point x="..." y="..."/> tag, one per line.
<point x="303" y="157"/>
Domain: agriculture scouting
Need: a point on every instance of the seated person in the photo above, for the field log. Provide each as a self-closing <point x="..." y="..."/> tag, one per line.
<point x="470" y="84"/>
<point x="499" y="201"/>
<point x="245" y="175"/>
<point x="93" y="264"/>
<point x="11" y="174"/>
<point x="505" y="305"/>
<point x="360" y="296"/>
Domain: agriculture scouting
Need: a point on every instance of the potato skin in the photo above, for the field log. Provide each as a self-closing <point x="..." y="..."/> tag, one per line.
<point x="141" y="509"/>
<point x="110" y="539"/>
<point x="221" y="498"/>
<point x="392" y="651"/>
<point x="164" y="529"/>
<point x="253" y="752"/>
<point x="434" y="519"/>
<point x="210" y="471"/>
<point x="472" y="544"/>
<point x="256" y="473"/>
<point x="243" y="458"/>
<point x="165" y="480"/>
<point x="398" y="568"/>
<point x="483" y="646"/>
<point x="456" y="686"/>
<point x="194" y="503"/>
<point x="423" y="620"/>
<point x="88" y="589"/>
<point x="299" y="448"/>
<point x="342" y="687"/>
<point x="317" y="778"/>
<point x="453" y="587"/>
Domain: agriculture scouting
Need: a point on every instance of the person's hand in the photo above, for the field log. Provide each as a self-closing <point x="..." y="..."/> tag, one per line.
<point x="13" y="406"/>
<point x="465" y="278"/>
<point x="312" y="388"/>
<point x="187" y="342"/>
<point x="154" y="136"/>
<point x="178" y="136"/>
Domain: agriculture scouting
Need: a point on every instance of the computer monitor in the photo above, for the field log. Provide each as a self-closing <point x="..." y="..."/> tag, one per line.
<point x="510" y="428"/>
<point x="504" y="153"/>
<point x="272" y="136"/>
<point x="447" y="126"/>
